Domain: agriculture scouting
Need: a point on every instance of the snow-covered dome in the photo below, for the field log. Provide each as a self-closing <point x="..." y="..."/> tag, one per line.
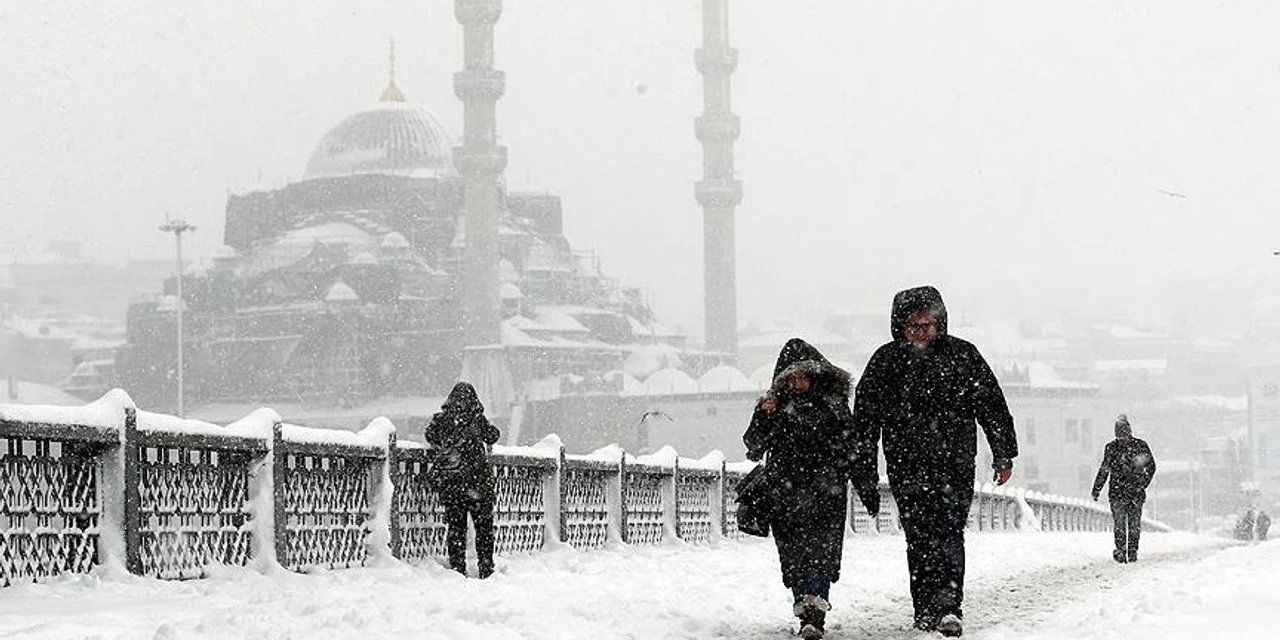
<point x="394" y="138"/>
<point x="724" y="378"/>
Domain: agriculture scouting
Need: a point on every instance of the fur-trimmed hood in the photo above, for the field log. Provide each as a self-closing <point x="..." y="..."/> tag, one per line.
<point x="798" y="356"/>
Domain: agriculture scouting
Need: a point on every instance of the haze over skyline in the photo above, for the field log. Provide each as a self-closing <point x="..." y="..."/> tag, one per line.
<point x="1023" y="156"/>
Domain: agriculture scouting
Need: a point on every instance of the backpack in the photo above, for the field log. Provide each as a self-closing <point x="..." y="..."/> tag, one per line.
<point x="446" y="463"/>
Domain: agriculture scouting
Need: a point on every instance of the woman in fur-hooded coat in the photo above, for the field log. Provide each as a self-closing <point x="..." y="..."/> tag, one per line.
<point x="805" y="426"/>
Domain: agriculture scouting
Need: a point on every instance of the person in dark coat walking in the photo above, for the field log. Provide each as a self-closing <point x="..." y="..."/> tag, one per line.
<point x="1128" y="462"/>
<point x="922" y="393"/>
<point x="805" y="426"/>
<point x="460" y="437"/>
<point x="1264" y="524"/>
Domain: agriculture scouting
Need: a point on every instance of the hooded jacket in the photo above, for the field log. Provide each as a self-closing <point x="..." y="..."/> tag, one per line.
<point x="1129" y="465"/>
<point x="925" y="404"/>
<point x="808" y="438"/>
<point x="461" y="426"/>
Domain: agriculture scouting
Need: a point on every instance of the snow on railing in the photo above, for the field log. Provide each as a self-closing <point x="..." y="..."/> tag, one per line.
<point x="106" y="484"/>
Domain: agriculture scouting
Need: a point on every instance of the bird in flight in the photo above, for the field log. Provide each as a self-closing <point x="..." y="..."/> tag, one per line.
<point x="1171" y="194"/>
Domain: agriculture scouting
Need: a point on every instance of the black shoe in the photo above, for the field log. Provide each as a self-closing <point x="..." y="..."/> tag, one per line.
<point x="1119" y="556"/>
<point x="950" y="625"/>
<point x="1133" y="557"/>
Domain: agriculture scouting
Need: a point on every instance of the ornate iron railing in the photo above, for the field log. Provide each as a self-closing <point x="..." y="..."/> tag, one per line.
<point x="181" y="500"/>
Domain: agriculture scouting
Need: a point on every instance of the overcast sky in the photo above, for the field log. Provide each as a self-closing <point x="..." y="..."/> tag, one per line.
<point x="1020" y="154"/>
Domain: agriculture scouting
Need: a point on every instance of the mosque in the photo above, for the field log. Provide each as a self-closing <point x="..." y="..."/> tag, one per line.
<point x="400" y="262"/>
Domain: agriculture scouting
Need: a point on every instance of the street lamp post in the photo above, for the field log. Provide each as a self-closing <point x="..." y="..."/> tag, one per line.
<point x="177" y="228"/>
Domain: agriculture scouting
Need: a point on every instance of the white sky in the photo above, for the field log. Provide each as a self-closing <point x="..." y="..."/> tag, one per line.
<point x="1014" y="152"/>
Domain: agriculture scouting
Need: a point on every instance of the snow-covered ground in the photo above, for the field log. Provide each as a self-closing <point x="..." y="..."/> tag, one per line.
<point x="1028" y="585"/>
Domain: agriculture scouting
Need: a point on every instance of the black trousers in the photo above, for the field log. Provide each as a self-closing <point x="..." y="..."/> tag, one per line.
<point x="933" y="519"/>
<point x="1126" y="513"/>
<point x="478" y="505"/>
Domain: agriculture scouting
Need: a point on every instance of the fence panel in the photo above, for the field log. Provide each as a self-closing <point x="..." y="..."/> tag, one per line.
<point x="326" y="507"/>
<point x="49" y="506"/>
<point x="584" y="508"/>
<point x="194" y="507"/>
<point x="643" y="508"/>
<point x="694" y="517"/>
<point x="520" y="509"/>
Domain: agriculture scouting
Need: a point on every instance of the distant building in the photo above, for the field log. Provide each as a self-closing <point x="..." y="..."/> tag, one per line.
<point x="345" y="288"/>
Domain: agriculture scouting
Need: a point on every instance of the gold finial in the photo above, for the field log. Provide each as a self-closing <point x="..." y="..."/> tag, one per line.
<point x="392" y="94"/>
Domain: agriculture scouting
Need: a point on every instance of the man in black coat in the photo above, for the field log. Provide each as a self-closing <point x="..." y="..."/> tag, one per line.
<point x="460" y="437"/>
<point x="1129" y="464"/>
<point x="923" y="393"/>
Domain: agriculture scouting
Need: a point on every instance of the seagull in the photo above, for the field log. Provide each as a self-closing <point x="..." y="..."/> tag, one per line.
<point x="1171" y="194"/>
<point x="655" y="414"/>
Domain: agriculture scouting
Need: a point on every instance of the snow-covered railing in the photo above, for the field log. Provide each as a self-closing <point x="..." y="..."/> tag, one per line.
<point x="106" y="484"/>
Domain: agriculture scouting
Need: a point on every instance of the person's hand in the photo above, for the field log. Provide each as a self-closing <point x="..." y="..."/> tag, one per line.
<point x="768" y="402"/>
<point x="1003" y="470"/>
<point x="1095" y="496"/>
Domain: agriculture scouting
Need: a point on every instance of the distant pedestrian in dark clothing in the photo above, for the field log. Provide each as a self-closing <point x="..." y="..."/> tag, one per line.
<point x="1129" y="464"/>
<point x="1246" y="526"/>
<point x="923" y="393"/>
<point x="1264" y="523"/>
<point x="805" y="426"/>
<point x="460" y="437"/>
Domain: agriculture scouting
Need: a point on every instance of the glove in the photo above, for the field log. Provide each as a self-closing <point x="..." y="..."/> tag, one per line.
<point x="869" y="494"/>
<point x="1003" y="470"/>
<point x="1095" y="496"/>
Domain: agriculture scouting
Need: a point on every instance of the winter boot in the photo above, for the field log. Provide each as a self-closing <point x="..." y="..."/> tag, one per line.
<point x="812" y="611"/>
<point x="1119" y="556"/>
<point x="950" y="626"/>
<point x="1133" y="557"/>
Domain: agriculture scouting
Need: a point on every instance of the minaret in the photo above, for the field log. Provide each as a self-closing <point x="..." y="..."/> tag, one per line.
<point x="481" y="162"/>
<point x="718" y="192"/>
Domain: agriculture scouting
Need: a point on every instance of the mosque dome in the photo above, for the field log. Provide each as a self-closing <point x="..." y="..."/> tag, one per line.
<point x="392" y="138"/>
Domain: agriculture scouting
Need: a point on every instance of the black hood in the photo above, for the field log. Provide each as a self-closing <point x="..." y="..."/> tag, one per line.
<point x="909" y="301"/>
<point x="463" y="402"/>
<point x="798" y="355"/>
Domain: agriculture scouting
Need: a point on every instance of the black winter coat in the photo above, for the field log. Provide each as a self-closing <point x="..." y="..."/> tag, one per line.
<point x="1130" y="466"/>
<point x="470" y="434"/>
<point x="808" y="439"/>
<point x="925" y="405"/>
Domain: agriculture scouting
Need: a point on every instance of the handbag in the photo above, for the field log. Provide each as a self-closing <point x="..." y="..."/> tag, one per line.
<point x="756" y="503"/>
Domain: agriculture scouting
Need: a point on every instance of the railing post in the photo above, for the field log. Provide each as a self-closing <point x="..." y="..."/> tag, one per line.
<point x="132" y="495"/>
<point x="723" y="500"/>
<point x="562" y="480"/>
<point x="393" y="475"/>
<point x="671" y="503"/>
<point x="622" y="496"/>
<point x="279" y="479"/>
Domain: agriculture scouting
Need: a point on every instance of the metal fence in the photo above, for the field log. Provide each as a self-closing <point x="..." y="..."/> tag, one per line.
<point x="178" y="502"/>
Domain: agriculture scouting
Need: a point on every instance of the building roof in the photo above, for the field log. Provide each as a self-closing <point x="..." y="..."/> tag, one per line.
<point x="392" y="138"/>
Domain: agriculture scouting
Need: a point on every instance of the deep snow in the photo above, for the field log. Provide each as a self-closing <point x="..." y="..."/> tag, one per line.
<point x="1019" y="585"/>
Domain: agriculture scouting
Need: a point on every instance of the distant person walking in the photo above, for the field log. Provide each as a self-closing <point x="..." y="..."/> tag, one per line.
<point x="1129" y="465"/>
<point x="923" y="393"/>
<point x="460" y="437"/>
<point x="1264" y="523"/>
<point x="805" y="426"/>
